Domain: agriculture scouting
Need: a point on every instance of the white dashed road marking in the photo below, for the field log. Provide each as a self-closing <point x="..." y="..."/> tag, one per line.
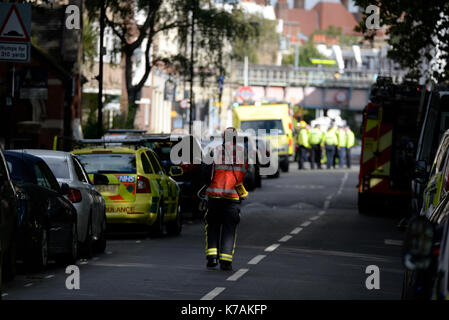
<point x="4" y="294"/>
<point x="49" y="276"/>
<point x="285" y="238"/>
<point x="296" y="231"/>
<point x="305" y="224"/>
<point x="393" y="242"/>
<point x="28" y="285"/>
<point x="272" y="247"/>
<point x="211" y="295"/>
<point x="257" y="259"/>
<point x="321" y="212"/>
<point x="315" y="218"/>
<point x="327" y="203"/>
<point x="237" y="275"/>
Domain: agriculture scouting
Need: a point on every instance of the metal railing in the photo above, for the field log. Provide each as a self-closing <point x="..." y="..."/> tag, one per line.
<point x="287" y="76"/>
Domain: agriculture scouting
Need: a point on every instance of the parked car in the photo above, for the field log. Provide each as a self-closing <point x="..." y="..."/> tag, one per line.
<point x="47" y="221"/>
<point x="190" y="180"/>
<point x="438" y="181"/>
<point x="433" y="125"/>
<point x="88" y="202"/>
<point x="426" y="255"/>
<point x="139" y="191"/>
<point x="8" y="223"/>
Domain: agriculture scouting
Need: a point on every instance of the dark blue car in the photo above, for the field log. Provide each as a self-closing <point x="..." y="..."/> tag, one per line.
<point x="47" y="221"/>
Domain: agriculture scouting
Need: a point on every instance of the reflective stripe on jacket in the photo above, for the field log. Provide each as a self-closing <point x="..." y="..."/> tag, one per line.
<point x="227" y="173"/>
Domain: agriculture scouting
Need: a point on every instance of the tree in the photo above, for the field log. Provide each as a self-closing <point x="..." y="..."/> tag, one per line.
<point x="417" y="33"/>
<point x="213" y="29"/>
<point x="306" y="52"/>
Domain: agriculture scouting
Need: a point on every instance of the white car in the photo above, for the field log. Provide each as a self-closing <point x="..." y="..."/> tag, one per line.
<point x="88" y="202"/>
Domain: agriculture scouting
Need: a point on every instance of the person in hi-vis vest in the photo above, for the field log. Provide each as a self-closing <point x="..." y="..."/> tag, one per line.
<point x="350" y="141"/>
<point x="330" y="143"/>
<point x="316" y="137"/>
<point x="223" y="215"/>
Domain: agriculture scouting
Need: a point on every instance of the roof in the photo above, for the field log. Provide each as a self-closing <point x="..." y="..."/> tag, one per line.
<point x="320" y="17"/>
<point x="24" y="157"/>
<point x="44" y="152"/>
<point x="101" y="150"/>
<point x="335" y="14"/>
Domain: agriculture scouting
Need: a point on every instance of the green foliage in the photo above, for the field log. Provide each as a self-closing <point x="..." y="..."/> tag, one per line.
<point x="90" y="39"/>
<point x="263" y="39"/>
<point x="214" y="30"/>
<point x="415" y="29"/>
<point x="306" y="52"/>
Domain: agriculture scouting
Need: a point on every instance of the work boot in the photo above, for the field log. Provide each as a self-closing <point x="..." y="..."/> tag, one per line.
<point x="212" y="263"/>
<point x="226" y="265"/>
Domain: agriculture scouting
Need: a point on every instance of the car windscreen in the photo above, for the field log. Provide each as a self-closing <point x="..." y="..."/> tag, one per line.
<point x="59" y="166"/>
<point x="108" y="162"/>
<point x="266" y="125"/>
<point x="162" y="148"/>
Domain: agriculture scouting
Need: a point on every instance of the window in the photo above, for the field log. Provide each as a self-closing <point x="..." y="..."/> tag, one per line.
<point x="266" y="125"/>
<point x="79" y="171"/>
<point x="59" y="166"/>
<point x="40" y="177"/>
<point x="145" y="164"/>
<point x="155" y="163"/>
<point x="108" y="162"/>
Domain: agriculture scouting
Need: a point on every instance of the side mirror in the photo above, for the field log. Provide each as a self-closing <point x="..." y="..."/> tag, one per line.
<point x="420" y="171"/>
<point x="176" y="171"/>
<point x="65" y="189"/>
<point x="100" y="179"/>
<point x="417" y="254"/>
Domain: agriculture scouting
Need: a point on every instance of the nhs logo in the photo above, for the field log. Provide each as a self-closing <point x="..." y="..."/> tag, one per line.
<point x="128" y="179"/>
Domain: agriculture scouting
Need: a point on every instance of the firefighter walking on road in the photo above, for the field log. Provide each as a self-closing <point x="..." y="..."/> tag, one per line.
<point x="223" y="216"/>
<point x="303" y="142"/>
<point x="350" y="140"/>
<point x="316" y="138"/>
<point x="330" y="143"/>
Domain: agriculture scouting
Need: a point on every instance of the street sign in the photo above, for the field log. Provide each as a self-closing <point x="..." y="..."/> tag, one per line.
<point x="15" y="30"/>
<point x="244" y="93"/>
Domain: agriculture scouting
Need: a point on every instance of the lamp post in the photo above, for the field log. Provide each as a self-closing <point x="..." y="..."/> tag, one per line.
<point x="100" y="74"/>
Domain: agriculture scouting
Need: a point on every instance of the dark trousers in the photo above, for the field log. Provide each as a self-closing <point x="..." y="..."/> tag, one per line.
<point x="222" y="218"/>
<point x="341" y="156"/>
<point x="330" y="153"/>
<point x="348" y="157"/>
<point x="302" y="156"/>
<point x="315" y="156"/>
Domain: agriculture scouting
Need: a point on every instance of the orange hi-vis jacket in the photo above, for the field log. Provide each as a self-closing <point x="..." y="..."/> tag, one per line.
<point x="227" y="171"/>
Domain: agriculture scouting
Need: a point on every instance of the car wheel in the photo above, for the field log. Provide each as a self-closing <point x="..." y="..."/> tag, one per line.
<point x="100" y="245"/>
<point x="87" y="245"/>
<point x="285" y="165"/>
<point x="174" y="228"/>
<point x="157" y="228"/>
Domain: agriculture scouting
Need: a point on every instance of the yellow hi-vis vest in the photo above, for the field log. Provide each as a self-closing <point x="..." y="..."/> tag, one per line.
<point x="316" y="136"/>
<point x="341" y="135"/>
<point x="330" y="138"/>
<point x="350" y="139"/>
<point x="303" y="139"/>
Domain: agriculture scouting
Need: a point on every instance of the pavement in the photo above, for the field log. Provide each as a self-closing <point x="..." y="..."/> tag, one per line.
<point x="300" y="238"/>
